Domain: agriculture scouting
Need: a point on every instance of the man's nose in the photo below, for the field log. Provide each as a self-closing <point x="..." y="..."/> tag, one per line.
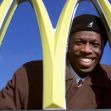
<point x="86" y="48"/>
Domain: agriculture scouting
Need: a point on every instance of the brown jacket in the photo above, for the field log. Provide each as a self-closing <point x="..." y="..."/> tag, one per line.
<point x="25" y="91"/>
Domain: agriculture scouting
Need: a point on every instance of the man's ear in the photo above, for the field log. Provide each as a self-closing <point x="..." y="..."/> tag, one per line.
<point x="102" y="48"/>
<point x="66" y="48"/>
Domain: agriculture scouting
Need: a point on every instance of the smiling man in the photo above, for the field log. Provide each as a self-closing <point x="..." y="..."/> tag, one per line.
<point x="85" y="51"/>
<point x="88" y="83"/>
<point x="91" y="83"/>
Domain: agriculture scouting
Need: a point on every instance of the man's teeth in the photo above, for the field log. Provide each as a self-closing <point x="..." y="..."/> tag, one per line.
<point x="86" y="60"/>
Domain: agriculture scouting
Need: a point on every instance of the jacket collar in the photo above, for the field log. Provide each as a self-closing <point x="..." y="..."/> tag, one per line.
<point x="69" y="76"/>
<point x="99" y="77"/>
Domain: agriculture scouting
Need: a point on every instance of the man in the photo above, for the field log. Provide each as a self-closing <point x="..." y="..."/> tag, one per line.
<point x="88" y="84"/>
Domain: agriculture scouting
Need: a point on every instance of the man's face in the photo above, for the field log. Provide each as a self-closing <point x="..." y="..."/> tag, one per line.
<point x="85" y="50"/>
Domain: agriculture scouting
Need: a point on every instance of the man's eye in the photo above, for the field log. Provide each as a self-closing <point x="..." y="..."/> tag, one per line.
<point x="78" y="43"/>
<point x="96" y="44"/>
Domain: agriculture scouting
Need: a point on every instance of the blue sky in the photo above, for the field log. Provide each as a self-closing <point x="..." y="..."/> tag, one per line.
<point x="22" y="40"/>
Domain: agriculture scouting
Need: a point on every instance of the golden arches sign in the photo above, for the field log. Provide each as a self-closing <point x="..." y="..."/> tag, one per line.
<point x="54" y="43"/>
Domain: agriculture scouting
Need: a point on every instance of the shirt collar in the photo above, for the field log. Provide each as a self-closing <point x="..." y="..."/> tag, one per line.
<point x="75" y="75"/>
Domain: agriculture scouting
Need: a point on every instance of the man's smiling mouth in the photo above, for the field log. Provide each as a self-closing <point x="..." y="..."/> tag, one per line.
<point x="86" y="61"/>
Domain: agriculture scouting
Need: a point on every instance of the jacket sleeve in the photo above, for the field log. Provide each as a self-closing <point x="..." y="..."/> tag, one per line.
<point x="14" y="95"/>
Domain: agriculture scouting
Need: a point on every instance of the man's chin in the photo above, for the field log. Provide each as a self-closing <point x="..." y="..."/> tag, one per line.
<point x="86" y="72"/>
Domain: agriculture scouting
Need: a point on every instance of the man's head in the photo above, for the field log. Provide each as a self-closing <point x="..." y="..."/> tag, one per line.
<point x="86" y="43"/>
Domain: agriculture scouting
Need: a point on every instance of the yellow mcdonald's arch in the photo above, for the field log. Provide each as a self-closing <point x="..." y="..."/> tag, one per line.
<point x="54" y="43"/>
